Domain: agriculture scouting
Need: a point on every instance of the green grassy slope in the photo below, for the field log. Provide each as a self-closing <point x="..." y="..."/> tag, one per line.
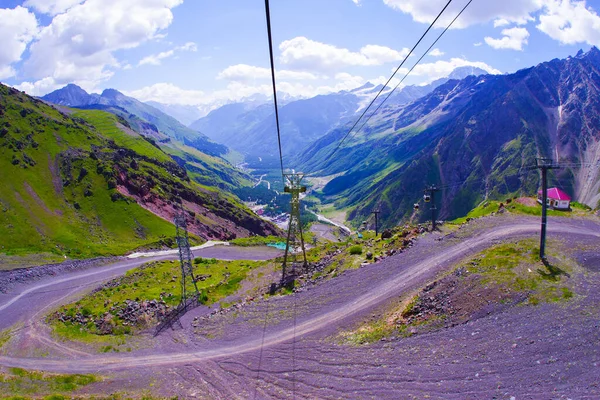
<point x="41" y="211"/>
<point x="63" y="177"/>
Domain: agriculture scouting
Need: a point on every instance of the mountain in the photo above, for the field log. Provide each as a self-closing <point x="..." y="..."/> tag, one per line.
<point x="193" y="150"/>
<point x="250" y="128"/>
<point x="473" y="137"/>
<point x="182" y="113"/>
<point x="81" y="183"/>
<point x="145" y="118"/>
<point x="71" y="95"/>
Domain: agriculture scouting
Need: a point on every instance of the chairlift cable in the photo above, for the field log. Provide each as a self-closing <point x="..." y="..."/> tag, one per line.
<point x="389" y="80"/>
<point x="413" y="67"/>
<point x="268" y="17"/>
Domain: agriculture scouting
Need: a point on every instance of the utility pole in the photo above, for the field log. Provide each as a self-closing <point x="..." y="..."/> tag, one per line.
<point x="294" y="187"/>
<point x="376" y="222"/>
<point x="544" y="164"/>
<point x="185" y="257"/>
<point x="430" y="197"/>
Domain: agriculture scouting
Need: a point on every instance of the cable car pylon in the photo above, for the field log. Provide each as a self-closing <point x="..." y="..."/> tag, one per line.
<point x="429" y="197"/>
<point x="295" y="237"/>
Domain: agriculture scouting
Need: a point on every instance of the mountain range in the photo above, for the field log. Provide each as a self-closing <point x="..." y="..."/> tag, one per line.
<point x="145" y="118"/>
<point x="203" y="158"/>
<point x="249" y="127"/>
<point x="473" y="137"/>
<point x="472" y="134"/>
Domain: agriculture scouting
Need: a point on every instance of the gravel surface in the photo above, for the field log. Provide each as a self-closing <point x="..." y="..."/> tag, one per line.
<point x="288" y="347"/>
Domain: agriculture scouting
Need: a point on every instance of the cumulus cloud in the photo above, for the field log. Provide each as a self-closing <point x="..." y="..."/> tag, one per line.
<point x="513" y="38"/>
<point x="443" y="68"/>
<point x="78" y="44"/>
<point x="305" y="54"/>
<point x="236" y="90"/>
<point x="18" y="27"/>
<point x="51" y="7"/>
<point x="436" y="53"/>
<point x="168" y="93"/>
<point x="500" y="22"/>
<point x="246" y="73"/>
<point x="41" y="87"/>
<point x="156" y="59"/>
<point x="570" y="22"/>
<point x="512" y="11"/>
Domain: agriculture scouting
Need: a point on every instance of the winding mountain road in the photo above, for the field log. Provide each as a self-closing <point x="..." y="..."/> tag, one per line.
<point x="25" y="304"/>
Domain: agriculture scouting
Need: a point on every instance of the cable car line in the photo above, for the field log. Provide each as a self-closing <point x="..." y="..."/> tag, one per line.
<point x="389" y="80"/>
<point x="268" y="17"/>
<point x="413" y="67"/>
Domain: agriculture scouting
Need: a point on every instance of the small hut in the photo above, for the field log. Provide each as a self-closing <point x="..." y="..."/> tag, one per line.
<point x="556" y="199"/>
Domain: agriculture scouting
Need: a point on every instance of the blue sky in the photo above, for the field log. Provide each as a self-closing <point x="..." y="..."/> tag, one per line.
<point x="206" y="52"/>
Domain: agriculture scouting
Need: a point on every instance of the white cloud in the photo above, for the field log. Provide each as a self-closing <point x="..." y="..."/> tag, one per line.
<point x="39" y="88"/>
<point x="570" y="22"/>
<point x="436" y="53"/>
<point x="78" y="45"/>
<point x="514" y="11"/>
<point x="247" y="73"/>
<point x="51" y="7"/>
<point x="168" y="94"/>
<point x="357" y="2"/>
<point x="306" y="54"/>
<point x="440" y="69"/>
<point x="477" y="44"/>
<point x="18" y="27"/>
<point x="377" y="55"/>
<point x="500" y="22"/>
<point x="513" y="38"/>
<point x="156" y="59"/>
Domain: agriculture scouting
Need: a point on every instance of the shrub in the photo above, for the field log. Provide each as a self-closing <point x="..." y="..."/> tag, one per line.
<point x="355" y="250"/>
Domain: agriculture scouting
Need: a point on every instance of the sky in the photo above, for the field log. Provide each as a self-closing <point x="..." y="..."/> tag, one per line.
<point x="207" y="52"/>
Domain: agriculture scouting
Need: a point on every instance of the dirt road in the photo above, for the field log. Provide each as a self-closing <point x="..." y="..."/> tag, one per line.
<point x="324" y="318"/>
<point x="25" y="299"/>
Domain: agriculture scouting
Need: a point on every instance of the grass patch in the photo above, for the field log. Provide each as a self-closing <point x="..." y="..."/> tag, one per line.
<point x="157" y="281"/>
<point x="4" y="337"/>
<point x="491" y="206"/>
<point x="355" y="250"/>
<point x="257" y="241"/>
<point x="482" y="210"/>
<point x="18" y="382"/>
<point x="504" y="273"/>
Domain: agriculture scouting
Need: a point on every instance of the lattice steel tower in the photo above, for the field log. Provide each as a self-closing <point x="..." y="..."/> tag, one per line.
<point x="185" y="257"/>
<point x="295" y="239"/>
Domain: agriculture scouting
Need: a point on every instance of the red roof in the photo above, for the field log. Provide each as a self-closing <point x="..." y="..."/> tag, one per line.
<point x="556" y="194"/>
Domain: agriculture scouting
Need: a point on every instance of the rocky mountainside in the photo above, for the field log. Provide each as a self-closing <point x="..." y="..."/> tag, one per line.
<point x="249" y="127"/>
<point x="82" y="183"/>
<point x="473" y="137"/>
